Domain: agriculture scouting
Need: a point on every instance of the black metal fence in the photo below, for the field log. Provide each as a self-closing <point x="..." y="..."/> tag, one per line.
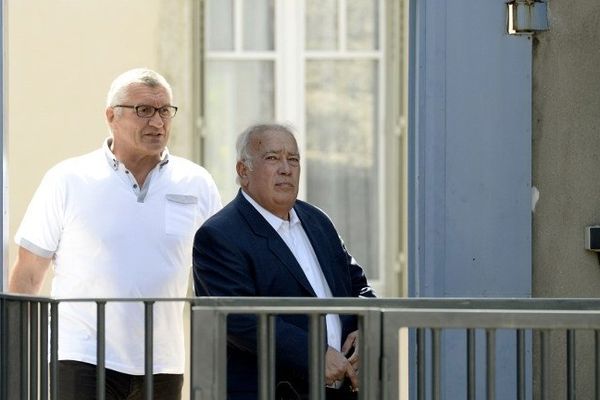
<point x="457" y="348"/>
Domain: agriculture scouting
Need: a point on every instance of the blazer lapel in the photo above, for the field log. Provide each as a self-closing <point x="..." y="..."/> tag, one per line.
<point x="275" y="243"/>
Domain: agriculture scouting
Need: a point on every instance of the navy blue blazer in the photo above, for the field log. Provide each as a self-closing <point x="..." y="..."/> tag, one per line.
<point x="237" y="253"/>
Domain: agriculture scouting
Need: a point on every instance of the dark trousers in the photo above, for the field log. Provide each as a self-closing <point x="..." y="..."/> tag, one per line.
<point x="77" y="381"/>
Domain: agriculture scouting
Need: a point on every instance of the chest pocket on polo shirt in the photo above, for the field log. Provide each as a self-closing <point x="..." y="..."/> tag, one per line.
<point x="180" y="214"/>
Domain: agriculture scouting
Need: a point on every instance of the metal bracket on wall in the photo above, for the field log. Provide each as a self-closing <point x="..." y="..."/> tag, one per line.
<point x="526" y="17"/>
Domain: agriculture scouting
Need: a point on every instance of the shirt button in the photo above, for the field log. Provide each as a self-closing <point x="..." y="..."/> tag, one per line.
<point x="135" y="186"/>
<point x="126" y="171"/>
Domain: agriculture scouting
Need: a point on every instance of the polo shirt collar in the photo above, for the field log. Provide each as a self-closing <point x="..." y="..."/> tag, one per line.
<point x="114" y="162"/>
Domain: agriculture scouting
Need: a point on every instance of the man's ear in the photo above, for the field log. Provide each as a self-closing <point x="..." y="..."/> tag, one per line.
<point x="110" y="114"/>
<point x="242" y="171"/>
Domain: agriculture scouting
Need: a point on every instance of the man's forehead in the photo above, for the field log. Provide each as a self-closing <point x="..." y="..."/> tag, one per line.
<point x="142" y="90"/>
<point x="275" y="142"/>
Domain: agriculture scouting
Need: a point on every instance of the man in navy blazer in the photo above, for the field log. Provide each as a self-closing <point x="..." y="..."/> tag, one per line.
<point x="267" y="243"/>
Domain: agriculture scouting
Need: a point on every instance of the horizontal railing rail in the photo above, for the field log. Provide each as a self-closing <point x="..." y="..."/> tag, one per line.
<point x="522" y="330"/>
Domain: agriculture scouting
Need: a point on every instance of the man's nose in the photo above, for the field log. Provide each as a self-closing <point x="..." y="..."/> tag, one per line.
<point x="156" y="120"/>
<point x="284" y="167"/>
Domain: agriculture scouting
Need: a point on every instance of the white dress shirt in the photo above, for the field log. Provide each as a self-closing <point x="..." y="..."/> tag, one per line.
<point x="294" y="236"/>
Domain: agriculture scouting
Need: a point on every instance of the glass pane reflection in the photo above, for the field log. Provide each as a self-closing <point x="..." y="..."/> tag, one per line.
<point x="258" y="25"/>
<point x="238" y="93"/>
<point x="219" y="25"/>
<point x="362" y="22"/>
<point x="341" y="129"/>
<point x="321" y="25"/>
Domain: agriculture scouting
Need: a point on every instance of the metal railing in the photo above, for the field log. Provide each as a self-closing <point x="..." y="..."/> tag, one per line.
<point x="459" y="348"/>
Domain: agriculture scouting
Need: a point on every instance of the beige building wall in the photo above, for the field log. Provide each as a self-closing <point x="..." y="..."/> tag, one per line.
<point x="61" y="57"/>
<point x="566" y="160"/>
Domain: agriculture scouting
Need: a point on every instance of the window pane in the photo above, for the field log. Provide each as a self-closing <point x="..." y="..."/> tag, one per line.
<point x="238" y="93"/>
<point x="321" y="25"/>
<point x="362" y="24"/>
<point x="341" y="120"/>
<point x="258" y="24"/>
<point x="219" y="25"/>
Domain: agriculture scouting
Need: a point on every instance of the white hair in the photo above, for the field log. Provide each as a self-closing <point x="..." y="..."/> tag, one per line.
<point x="145" y="76"/>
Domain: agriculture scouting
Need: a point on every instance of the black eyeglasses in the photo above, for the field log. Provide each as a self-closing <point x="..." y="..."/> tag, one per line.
<point x="145" y="111"/>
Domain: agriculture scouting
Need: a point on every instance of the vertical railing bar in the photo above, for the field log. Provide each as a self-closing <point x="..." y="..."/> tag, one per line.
<point x="597" y="363"/>
<point x="44" y="351"/>
<point x="436" y="364"/>
<point x="520" y="364"/>
<point x="148" y="349"/>
<point x="3" y="349"/>
<point x="54" y="350"/>
<point x="421" y="363"/>
<point x="362" y="378"/>
<point x="471" y="386"/>
<point x="271" y="351"/>
<point x="100" y="350"/>
<point x="490" y="359"/>
<point x="544" y="363"/>
<point x="571" y="364"/>
<point x="317" y="357"/>
<point x="33" y="352"/>
<point x="266" y="358"/>
<point x="24" y="341"/>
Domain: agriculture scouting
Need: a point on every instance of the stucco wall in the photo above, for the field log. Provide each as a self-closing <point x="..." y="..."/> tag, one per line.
<point x="566" y="158"/>
<point x="566" y="150"/>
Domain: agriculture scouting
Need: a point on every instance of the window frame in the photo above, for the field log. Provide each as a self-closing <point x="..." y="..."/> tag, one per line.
<point x="289" y="57"/>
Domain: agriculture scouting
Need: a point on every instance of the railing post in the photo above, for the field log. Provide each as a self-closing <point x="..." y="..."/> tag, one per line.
<point x="520" y="364"/>
<point x="544" y="364"/>
<point x="571" y="393"/>
<point x="390" y="354"/>
<point x="3" y="349"/>
<point x="101" y="350"/>
<point x="148" y="349"/>
<point x="316" y="357"/>
<point x="33" y="349"/>
<point x="44" y="350"/>
<point x="421" y="369"/>
<point x="436" y="347"/>
<point x="209" y="354"/>
<point x="369" y="351"/>
<point x="54" y="350"/>
<point x="471" y="382"/>
<point x="24" y="324"/>
<point x="266" y="357"/>
<point x="490" y="359"/>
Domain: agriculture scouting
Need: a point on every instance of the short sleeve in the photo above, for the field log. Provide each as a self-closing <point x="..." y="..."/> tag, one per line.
<point x="42" y="223"/>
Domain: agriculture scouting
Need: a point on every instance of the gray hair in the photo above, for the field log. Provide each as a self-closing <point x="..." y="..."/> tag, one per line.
<point x="242" y="144"/>
<point x="145" y="76"/>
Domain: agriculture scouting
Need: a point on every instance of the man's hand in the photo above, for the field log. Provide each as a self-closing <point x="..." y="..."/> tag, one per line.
<point x="351" y="346"/>
<point x="337" y="367"/>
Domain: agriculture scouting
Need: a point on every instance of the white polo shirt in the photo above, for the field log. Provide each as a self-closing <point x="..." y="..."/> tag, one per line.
<point x="110" y="238"/>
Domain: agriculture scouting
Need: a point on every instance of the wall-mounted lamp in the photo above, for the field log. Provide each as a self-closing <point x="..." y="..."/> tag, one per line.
<point x="527" y="16"/>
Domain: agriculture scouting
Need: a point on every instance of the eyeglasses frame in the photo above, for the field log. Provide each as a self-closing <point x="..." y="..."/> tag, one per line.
<point x="135" y="108"/>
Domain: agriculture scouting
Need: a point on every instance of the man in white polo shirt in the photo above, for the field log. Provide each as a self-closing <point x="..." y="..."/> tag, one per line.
<point x="119" y="222"/>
